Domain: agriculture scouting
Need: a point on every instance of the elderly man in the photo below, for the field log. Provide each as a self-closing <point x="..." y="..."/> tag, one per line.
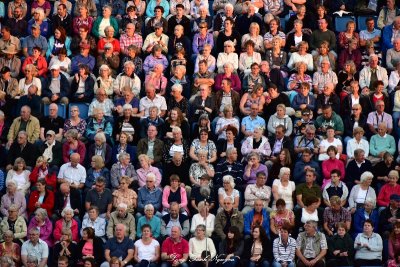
<point x="257" y="215"/>
<point x="323" y="34"/>
<point x="329" y="118"/>
<point x="328" y="97"/>
<point x="34" y="247"/>
<point x="121" y="216"/>
<point x="393" y="55"/>
<point x="257" y="192"/>
<point x="110" y="57"/>
<point x="51" y="149"/>
<point x="380" y="143"/>
<point x="127" y="78"/>
<point x="11" y="61"/>
<point x="151" y="146"/>
<point x="119" y="246"/>
<point x="388" y="13"/>
<point x="230" y="166"/>
<point x="372" y="73"/>
<point x="379" y="116"/>
<point x="103" y="102"/>
<point x="103" y="21"/>
<point x="65" y="197"/>
<point x="175" y="249"/>
<point x="152" y="99"/>
<point x="22" y="149"/>
<point x="324" y="76"/>
<point x="222" y="16"/>
<point x="101" y="197"/>
<point x="26" y="122"/>
<point x="252" y="121"/>
<point x="311" y="246"/>
<point x="334" y="215"/>
<point x="156" y="37"/>
<point x="149" y="194"/>
<point x="226" y="218"/>
<point x="9" y="42"/>
<point x="72" y="173"/>
<point x="34" y="40"/>
<point x="307" y="141"/>
<point x="150" y="219"/>
<point x="356" y="167"/>
<point x="52" y="122"/>
<point x="309" y="188"/>
<point x="174" y="218"/>
<point x="84" y="58"/>
<point x="130" y="37"/>
<point x="305" y="164"/>
<point x="203" y="76"/>
<point x="389" y="33"/>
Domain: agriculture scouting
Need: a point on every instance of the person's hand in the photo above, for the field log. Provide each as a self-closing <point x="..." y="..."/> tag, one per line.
<point x="336" y="252"/>
<point x="54" y="97"/>
<point x="344" y="254"/>
<point x="223" y="154"/>
<point x="312" y="262"/>
<point x="108" y="215"/>
<point x="76" y="77"/>
<point x="37" y="205"/>
<point x="303" y="106"/>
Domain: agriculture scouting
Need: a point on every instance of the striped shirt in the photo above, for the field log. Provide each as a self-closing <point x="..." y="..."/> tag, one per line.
<point x="284" y="252"/>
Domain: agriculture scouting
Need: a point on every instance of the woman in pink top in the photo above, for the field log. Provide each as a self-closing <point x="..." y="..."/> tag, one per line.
<point x="331" y="164"/>
<point x="391" y="187"/>
<point x="145" y="169"/>
<point x="175" y="192"/>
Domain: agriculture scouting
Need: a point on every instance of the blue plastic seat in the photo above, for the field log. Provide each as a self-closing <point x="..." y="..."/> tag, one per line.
<point x="83" y="109"/>
<point x="62" y="110"/>
<point x="362" y="25"/>
<point x="340" y="23"/>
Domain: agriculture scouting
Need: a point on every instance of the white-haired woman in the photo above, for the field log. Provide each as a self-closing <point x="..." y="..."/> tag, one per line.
<point x="256" y="143"/>
<point x="42" y="222"/>
<point x="283" y="188"/>
<point x="67" y="221"/>
<point x="146" y="169"/>
<point x="228" y="72"/>
<point x="200" y="168"/>
<point x="228" y="55"/>
<point x="39" y="18"/>
<point x="105" y="80"/>
<point x="228" y="190"/>
<point x="100" y="148"/>
<point x="178" y="100"/>
<point x="368" y="211"/>
<point x="13" y="197"/>
<point x="360" y="192"/>
<point x="203" y="217"/>
<point x="157" y="79"/>
<point x="20" y="175"/>
<point x="225" y="121"/>
<point x="280" y="118"/>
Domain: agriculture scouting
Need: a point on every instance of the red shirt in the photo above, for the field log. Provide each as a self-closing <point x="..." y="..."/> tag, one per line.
<point x="179" y="248"/>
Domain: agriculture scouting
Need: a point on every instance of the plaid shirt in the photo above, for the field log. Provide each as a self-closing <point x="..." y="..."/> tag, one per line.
<point x="332" y="218"/>
<point x="125" y="41"/>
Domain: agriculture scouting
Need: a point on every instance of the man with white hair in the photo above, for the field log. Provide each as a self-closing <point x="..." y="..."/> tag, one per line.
<point x="226" y="218"/>
<point x="56" y="88"/>
<point x="389" y="33"/>
<point x="381" y="143"/>
<point x="36" y="248"/>
<point x="130" y="37"/>
<point x="26" y="122"/>
<point x="127" y="78"/>
<point x="379" y="116"/>
<point x="393" y="55"/>
<point x="121" y="216"/>
<point x="324" y="76"/>
<point x="149" y="194"/>
<point x="103" y="102"/>
<point x="52" y="122"/>
<point x="372" y="73"/>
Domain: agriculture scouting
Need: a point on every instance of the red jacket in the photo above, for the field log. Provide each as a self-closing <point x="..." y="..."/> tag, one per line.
<point x="48" y="202"/>
<point x="57" y="233"/>
<point x="41" y="65"/>
<point x="81" y="150"/>
<point x="51" y="178"/>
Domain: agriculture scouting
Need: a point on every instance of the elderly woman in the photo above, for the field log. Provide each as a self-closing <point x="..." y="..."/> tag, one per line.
<point x="42" y="170"/>
<point x="146" y="169"/>
<point x="153" y="119"/>
<point x="127" y="123"/>
<point x="42" y="222"/>
<point x="109" y="38"/>
<point x="156" y="78"/>
<point x="254" y="35"/>
<point x="228" y="190"/>
<point x="149" y="219"/>
<point x="93" y="219"/>
<point x="147" y="248"/>
<point x="203" y="104"/>
<point x="329" y="141"/>
<point x="199" y="11"/>
<point x="198" y="244"/>
<point x="20" y="175"/>
<point x="90" y="247"/>
<point x="200" y="168"/>
<point x="280" y="217"/>
<point x="253" y="166"/>
<point x="66" y="222"/>
<point x="97" y="169"/>
<point x="299" y="77"/>
<point x="280" y="118"/>
<point x="156" y="57"/>
<point x="256" y="143"/>
<point x="105" y="80"/>
<point x="103" y="21"/>
<point x="9" y="248"/>
<point x="73" y="145"/>
<point x="30" y="79"/>
<point x="66" y="247"/>
<point x="362" y="191"/>
<point x="248" y="58"/>
<point x="100" y="148"/>
<point x="330" y="164"/>
<point x="203" y="143"/>
<point x="41" y="198"/>
<point x="125" y="195"/>
<point x="122" y="146"/>
<point x="228" y="55"/>
<point x="297" y="38"/>
<point x="175" y="192"/>
<point x="15" y="223"/>
<point x="176" y="145"/>
<point x="180" y="77"/>
<point x="74" y="123"/>
<point x="206" y="55"/>
<point x="276" y="57"/>
<point x="357" y="142"/>
<point x="123" y="167"/>
<point x="176" y="119"/>
<point x="324" y="54"/>
<point x="203" y="217"/>
<point x="13" y="197"/>
<point x="368" y="246"/>
<point x="225" y="121"/>
<point x="283" y="188"/>
<point x="39" y="18"/>
<point x="366" y="211"/>
<point x="390" y="188"/>
<point x="99" y="123"/>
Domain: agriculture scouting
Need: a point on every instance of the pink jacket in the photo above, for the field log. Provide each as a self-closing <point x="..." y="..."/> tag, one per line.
<point x="385" y="193"/>
<point x="46" y="231"/>
<point x="167" y="191"/>
<point x="142" y="175"/>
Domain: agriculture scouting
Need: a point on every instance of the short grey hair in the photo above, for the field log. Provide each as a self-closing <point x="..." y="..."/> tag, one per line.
<point x="366" y="175"/>
<point x="41" y="212"/>
<point x="67" y="210"/>
<point x="123" y="155"/>
<point x="282" y="171"/>
<point x="230" y="179"/>
<point x="151" y="176"/>
<point x="177" y="87"/>
<point x="101" y="136"/>
<point x="149" y="207"/>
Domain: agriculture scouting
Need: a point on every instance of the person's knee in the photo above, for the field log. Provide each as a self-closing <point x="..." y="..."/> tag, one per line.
<point x="46" y="100"/>
<point x="64" y="100"/>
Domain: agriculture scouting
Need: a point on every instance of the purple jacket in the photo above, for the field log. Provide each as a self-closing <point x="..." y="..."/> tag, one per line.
<point x="46" y="230"/>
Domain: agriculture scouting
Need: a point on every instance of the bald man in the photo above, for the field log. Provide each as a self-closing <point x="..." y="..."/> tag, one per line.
<point x="72" y="173"/>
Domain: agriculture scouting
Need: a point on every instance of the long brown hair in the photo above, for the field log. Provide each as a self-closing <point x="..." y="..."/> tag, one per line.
<point x="180" y="116"/>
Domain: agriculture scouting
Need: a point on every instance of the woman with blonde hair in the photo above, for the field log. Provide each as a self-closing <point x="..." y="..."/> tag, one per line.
<point x="125" y="195"/>
<point x="228" y="191"/>
<point x="228" y="56"/>
<point x="20" y="175"/>
<point x="97" y="169"/>
<point x="105" y="80"/>
<point x="30" y="79"/>
<point x="276" y="57"/>
<point x="254" y="35"/>
<point x="301" y="55"/>
<point x="283" y="188"/>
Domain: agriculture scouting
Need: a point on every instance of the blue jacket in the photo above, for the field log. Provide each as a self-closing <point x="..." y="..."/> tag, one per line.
<point x="64" y="87"/>
<point x="90" y="179"/>
<point x="299" y="175"/>
<point x="299" y="99"/>
<point x="93" y="126"/>
<point x="359" y="219"/>
<point x="149" y="197"/>
<point x="248" y="219"/>
<point x="129" y="149"/>
<point x="387" y="33"/>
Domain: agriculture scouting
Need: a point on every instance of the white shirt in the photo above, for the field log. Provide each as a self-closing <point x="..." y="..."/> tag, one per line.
<point x="146" y="252"/>
<point x="74" y="175"/>
<point x="158" y="101"/>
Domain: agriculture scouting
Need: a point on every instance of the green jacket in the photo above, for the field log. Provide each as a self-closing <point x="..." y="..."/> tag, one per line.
<point x="96" y="25"/>
<point x="220" y="222"/>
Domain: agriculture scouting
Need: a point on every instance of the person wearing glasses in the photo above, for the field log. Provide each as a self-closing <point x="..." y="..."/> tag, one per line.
<point x="201" y="247"/>
<point x="101" y="197"/>
<point x="149" y="194"/>
<point x="200" y="39"/>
